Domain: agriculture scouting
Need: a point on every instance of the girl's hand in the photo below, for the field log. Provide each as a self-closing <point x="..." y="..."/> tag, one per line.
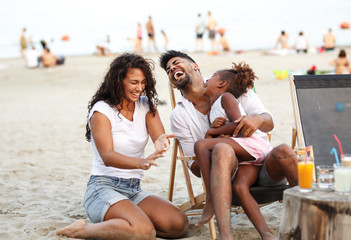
<point x="220" y="121"/>
<point x="162" y="142"/>
<point x="146" y="163"/>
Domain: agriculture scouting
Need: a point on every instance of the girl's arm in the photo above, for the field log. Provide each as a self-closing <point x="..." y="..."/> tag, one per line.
<point x="157" y="132"/>
<point x="231" y="108"/>
<point x="101" y="132"/>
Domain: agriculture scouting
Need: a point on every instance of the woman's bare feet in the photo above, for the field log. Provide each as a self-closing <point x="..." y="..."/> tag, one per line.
<point x="70" y="230"/>
<point x="207" y="214"/>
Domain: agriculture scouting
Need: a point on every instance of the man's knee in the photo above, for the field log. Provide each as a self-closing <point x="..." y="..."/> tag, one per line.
<point x="282" y="154"/>
<point x="222" y="150"/>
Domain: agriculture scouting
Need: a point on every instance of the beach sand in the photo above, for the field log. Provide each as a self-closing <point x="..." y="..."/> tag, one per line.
<point x="45" y="159"/>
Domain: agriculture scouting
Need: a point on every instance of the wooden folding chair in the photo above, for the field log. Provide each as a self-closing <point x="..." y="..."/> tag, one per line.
<point x="322" y="108"/>
<point x="263" y="195"/>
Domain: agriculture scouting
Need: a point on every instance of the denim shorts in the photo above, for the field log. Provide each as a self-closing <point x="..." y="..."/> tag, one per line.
<point x="104" y="191"/>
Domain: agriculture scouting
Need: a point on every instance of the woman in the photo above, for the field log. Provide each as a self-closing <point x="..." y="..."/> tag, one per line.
<point x="119" y="123"/>
<point x="341" y="63"/>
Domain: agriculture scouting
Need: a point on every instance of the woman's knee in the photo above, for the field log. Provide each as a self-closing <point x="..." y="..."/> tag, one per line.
<point x="177" y="225"/>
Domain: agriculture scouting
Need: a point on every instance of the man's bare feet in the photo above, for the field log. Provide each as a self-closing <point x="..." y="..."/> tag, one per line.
<point x="70" y="230"/>
<point x="207" y="214"/>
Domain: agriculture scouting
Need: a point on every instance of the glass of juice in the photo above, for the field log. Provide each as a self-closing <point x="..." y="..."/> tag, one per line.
<point x="305" y="169"/>
<point x="342" y="178"/>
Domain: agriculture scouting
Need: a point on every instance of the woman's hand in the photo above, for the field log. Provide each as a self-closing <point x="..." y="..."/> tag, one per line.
<point x="146" y="163"/>
<point x="162" y="143"/>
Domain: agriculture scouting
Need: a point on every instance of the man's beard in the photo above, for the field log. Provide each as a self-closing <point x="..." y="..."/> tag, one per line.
<point x="184" y="83"/>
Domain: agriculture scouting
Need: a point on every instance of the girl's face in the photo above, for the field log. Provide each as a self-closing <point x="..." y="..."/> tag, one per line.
<point x="133" y="84"/>
<point x="211" y="85"/>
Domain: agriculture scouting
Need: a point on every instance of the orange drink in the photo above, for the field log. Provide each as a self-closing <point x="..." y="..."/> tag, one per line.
<point x="305" y="171"/>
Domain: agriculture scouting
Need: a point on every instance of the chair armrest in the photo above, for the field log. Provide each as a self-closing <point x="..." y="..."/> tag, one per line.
<point x="186" y="158"/>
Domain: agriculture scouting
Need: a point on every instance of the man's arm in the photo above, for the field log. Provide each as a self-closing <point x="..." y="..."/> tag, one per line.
<point x="258" y="117"/>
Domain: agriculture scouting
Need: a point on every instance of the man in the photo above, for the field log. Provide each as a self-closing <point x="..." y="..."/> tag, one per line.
<point x="23" y="42"/>
<point x="329" y="41"/>
<point x="211" y="26"/>
<point x="189" y="122"/>
<point x="151" y="34"/>
<point x="200" y="29"/>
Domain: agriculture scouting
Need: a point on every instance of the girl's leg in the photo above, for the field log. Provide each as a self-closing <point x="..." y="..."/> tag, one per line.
<point x="123" y="220"/>
<point x="169" y="221"/>
<point x="245" y="177"/>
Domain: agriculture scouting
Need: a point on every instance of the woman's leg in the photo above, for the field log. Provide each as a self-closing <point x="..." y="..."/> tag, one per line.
<point x="168" y="220"/>
<point x="123" y="220"/>
<point x="245" y="177"/>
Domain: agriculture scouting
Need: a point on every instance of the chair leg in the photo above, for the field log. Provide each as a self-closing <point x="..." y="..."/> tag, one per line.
<point x="212" y="228"/>
<point x="173" y="170"/>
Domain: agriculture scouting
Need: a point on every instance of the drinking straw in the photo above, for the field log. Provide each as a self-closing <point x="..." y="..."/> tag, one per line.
<point x="341" y="152"/>
<point x="306" y="149"/>
<point x="336" y="156"/>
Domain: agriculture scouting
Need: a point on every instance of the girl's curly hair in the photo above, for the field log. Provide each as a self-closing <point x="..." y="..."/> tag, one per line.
<point x="240" y="78"/>
<point x="111" y="89"/>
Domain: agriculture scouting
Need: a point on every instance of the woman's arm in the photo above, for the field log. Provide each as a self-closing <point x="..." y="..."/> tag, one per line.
<point x="101" y="132"/>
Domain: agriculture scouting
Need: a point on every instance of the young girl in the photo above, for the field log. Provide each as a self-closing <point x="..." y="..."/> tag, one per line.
<point x="120" y="121"/>
<point x="224" y="89"/>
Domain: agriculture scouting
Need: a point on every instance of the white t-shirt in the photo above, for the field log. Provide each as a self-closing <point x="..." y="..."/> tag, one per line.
<point x="129" y="138"/>
<point x="32" y="56"/>
<point x="189" y="125"/>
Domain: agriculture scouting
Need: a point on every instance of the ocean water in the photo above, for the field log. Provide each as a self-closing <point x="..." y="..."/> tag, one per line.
<point x="250" y="24"/>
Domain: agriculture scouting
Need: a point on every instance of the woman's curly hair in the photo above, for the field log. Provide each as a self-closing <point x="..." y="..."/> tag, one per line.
<point x="111" y="89"/>
<point x="240" y="78"/>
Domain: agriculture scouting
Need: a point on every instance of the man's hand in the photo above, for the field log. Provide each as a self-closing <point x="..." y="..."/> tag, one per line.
<point x="248" y="124"/>
<point x="218" y="122"/>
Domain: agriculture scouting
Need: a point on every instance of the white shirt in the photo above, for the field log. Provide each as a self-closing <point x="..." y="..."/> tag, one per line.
<point x="189" y="125"/>
<point x="32" y="56"/>
<point x="129" y="138"/>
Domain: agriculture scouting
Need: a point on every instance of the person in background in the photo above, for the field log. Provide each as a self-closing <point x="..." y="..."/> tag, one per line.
<point x="301" y="44"/>
<point x="282" y="41"/>
<point x="223" y="44"/>
<point x="341" y="63"/>
<point x="123" y="109"/>
<point x="200" y="30"/>
<point x="165" y="38"/>
<point x="32" y="58"/>
<point x="151" y="35"/>
<point x="211" y="26"/>
<point x="329" y="41"/>
<point x="48" y="59"/>
<point x="23" y="42"/>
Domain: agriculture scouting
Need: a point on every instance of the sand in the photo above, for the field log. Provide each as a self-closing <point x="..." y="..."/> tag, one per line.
<point x="45" y="160"/>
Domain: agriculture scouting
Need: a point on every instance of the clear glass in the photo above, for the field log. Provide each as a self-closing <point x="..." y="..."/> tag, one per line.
<point x="342" y="178"/>
<point x="325" y="175"/>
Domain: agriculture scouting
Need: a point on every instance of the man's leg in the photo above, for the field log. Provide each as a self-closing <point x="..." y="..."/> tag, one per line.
<point x="224" y="164"/>
<point x="281" y="163"/>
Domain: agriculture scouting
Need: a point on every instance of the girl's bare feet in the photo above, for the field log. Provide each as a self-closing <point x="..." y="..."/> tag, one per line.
<point x="207" y="214"/>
